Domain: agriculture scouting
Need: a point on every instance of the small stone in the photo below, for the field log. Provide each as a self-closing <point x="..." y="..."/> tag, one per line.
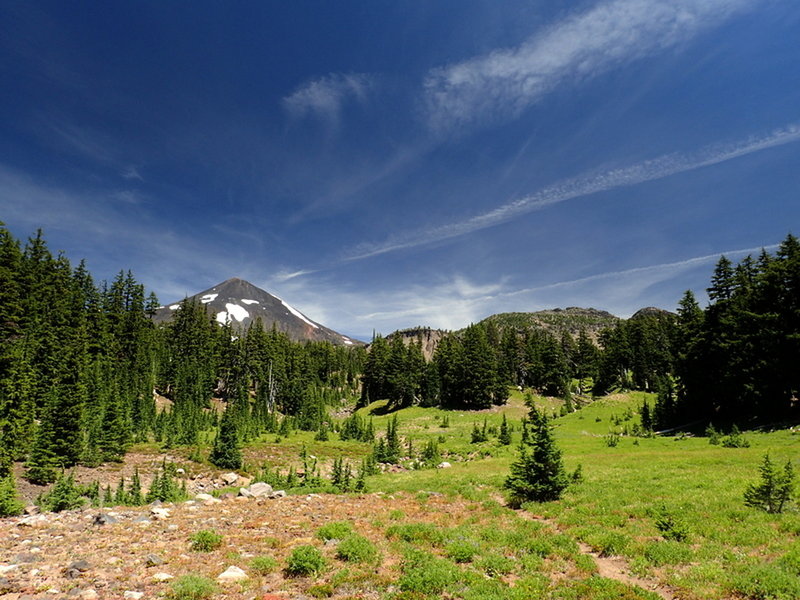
<point x="80" y="565"/>
<point x="104" y="519"/>
<point x="229" y="478"/>
<point x="245" y="493"/>
<point x="232" y="574"/>
<point x="7" y="587"/>
<point x="444" y="465"/>
<point x="89" y="594"/>
<point x="131" y="595"/>
<point x="153" y="560"/>
<point x="26" y="557"/>
<point x="7" y="568"/>
<point x="180" y="471"/>
<point x="227" y="496"/>
<point x="142" y="520"/>
<point x="278" y="494"/>
<point x="159" y="514"/>
<point x="163" y="577"/>
<point x="31" y="509"/>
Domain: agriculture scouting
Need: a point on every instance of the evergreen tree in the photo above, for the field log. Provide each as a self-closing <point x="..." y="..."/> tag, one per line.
<point x="10" y="505"/>
<point x="226" y="453"/>
<point x="538" y="474"/>
<point x="504" y="436"/>
<point x="775" y="490"/>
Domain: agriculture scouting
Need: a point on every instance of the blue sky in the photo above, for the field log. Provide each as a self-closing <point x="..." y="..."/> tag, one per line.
<point x="389" y="164"/>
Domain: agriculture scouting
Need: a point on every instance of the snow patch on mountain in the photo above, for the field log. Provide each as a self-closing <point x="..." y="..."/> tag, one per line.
<point x="299" y="315"/>
<point x="208" y="298"/>
<point x="174" y="307"/>
<point x="232" y="311"/>
<point x="246" y="301"/>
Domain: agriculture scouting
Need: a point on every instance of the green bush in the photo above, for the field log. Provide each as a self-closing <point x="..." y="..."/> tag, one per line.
<point x="667" y="553"/>
<point x="10" y="506"/>
<point x="610" y="543"/>
<point x="357" y="549"/>
<point x="205" y="540"/>
<point x="415" y="533"/>
<point x="495" y="565"/>
<point x="263" y="564"/>
<point x="305" y="561"/>
<point x="337" y="530"/>
<point x="192" y="587"/>
<point x="461" y="551"/>
<point x="425" y="574"/>
<point x="671" y="527"/>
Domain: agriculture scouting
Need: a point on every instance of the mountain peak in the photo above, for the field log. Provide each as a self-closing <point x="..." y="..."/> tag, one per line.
<point x="239" y="303"/>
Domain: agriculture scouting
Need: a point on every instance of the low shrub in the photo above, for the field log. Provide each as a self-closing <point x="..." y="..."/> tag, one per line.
<point x="671" y="527"/>
<point x="305" y="561"/>
<point x="205" y="540"/>
<point x="263" y="564"/>
<point x="495" y="565"/>
<point x="461" y="550"/>
<point x="667" y="553"/>
<point x="415" y="533"/>
<point x="337" y="530"/>
<point x="425" y="574"/>
<point x="191" y="587"/>
<point x="356" y="549"/>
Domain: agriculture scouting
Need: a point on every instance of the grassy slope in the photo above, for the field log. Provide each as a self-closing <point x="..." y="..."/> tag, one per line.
<point x="731" y="550"/>
<point x="730" y="547"/>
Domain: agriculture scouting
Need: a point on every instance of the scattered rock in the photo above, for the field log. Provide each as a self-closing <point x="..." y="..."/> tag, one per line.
<point x="245" y="493"/>
<point x="227" y="496"/>
<point x="7" y="587"/>
<point x="229" y="478"/>
<point x="31" y="509"/>
<point x="142" y="520"/>
<point x="180" y="471"/>
<point x="80" y="565"/>
<point x="207" y="499"/>
<point x="104" y="519"/>
<point x="159" y="514"/>
<point x="232" y="574"/>
<point x="7" y="568"/>
<point x="89" y="594"/>
<point x="27" y="557"/>
<point x="163" y="577"/>
<point x="260" y="489"/>
<point x="131" y="595"/>
<point x="278" y="494"/>
<point x="153" y="560"/>
<point x="444" y="465"/>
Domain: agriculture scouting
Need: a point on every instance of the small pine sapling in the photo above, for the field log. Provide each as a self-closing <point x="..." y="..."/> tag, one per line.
<point x="775" y="490"/>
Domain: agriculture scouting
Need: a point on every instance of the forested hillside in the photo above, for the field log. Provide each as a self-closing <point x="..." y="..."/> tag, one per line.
<point x="82" y="364"/>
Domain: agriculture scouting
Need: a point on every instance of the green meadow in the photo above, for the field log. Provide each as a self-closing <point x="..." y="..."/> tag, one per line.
<point x="671" y="506"/>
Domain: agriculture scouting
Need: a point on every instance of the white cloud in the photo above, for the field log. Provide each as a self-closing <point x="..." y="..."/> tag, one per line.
<point x="585" y="185"/>
<point x="325" y="97"/>
<point x="504" y="83"/>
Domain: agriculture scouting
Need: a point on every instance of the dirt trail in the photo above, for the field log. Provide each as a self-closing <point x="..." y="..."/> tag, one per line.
<point x="610" y="567"/>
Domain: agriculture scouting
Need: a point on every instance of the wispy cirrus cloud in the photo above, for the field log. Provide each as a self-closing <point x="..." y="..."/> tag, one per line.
<point x="502" y="84"/>
<point x="325" y="97"/>
<point x="585" y="185"/>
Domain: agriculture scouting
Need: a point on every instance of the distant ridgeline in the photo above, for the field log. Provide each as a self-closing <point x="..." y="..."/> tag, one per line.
<point x="81" y="364"/>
